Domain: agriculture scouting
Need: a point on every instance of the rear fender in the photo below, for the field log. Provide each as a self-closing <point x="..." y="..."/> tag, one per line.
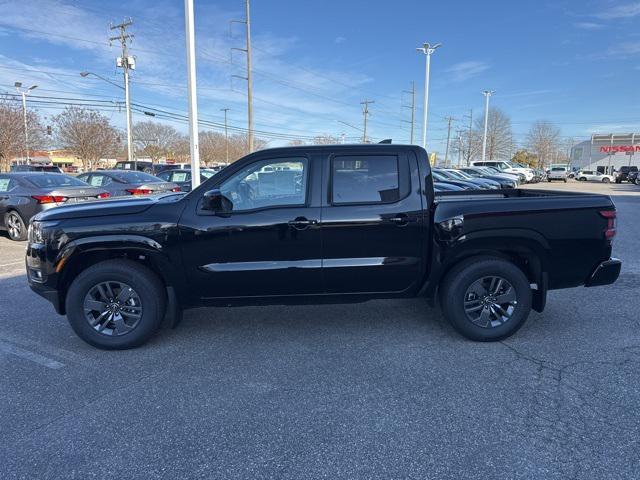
<point x="528" y="249"/>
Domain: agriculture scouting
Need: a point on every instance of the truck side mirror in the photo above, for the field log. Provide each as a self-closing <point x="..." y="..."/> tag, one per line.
<point x="215" y="201"/>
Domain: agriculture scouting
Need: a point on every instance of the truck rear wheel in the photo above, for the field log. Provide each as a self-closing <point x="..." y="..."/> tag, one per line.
<point x="486" y="299"/>
<point x="115" y="304"/>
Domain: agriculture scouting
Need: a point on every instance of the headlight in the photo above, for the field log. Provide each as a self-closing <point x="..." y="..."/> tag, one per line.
<point x="37" y="233"/>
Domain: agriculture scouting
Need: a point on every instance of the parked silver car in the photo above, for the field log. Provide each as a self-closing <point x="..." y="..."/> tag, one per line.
<point x="558" y="173"/>
<point x="23" y="194"/>
<point x="122" y="183"/>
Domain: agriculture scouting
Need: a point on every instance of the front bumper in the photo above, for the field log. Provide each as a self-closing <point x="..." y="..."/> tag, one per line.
<point x="605" y="274"/>
<point x="51" y="295"/>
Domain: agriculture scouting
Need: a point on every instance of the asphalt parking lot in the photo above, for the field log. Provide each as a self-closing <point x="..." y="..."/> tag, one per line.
<point x="384" y="389"/>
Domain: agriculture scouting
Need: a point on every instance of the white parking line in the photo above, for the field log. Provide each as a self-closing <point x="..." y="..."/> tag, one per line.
<point x="27" y="355"/>
<point x="12" y="263"/>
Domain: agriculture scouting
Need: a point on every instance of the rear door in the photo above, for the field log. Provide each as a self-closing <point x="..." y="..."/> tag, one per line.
<point x="373" y="227"/>
<point x="7" y="184"/>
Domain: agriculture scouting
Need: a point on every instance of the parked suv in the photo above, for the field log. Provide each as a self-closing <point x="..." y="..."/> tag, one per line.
<point x="593" y="176"/>
<point x="558" y="173"/>
<point x="622" y="175"/>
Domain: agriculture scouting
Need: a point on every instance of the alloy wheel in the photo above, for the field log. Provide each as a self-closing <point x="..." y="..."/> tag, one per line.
<point x="489" y="302"/>
<point x="14" y="225"/>
<point x="112" y="308"/>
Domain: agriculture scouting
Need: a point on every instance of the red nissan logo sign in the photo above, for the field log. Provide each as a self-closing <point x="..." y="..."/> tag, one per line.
<point x="620" y="148"/>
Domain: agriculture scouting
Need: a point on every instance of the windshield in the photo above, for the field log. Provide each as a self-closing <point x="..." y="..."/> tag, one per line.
<point x="135" y="177"/>
<point x="52" y="180"/>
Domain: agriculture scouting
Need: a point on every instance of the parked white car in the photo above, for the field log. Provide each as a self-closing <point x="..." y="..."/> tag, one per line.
<point x="558" y="173"/>
<point x="507" y="167"/>
<point x="592" y="176"/>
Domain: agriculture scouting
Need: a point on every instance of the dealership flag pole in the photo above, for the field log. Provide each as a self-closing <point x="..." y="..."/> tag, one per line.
<point x="193" y="101"/>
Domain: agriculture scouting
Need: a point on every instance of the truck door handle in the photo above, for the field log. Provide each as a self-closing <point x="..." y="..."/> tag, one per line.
<point x="401" y="220"/>
<point x="301" y="223"/>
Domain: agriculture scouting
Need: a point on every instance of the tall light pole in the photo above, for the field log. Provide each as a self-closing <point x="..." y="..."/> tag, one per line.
<point x="487" y="94"/>
<point x="226" y="134"/>
<point x="24" y="94"/>
<point x="428" y="50"/>
<point x="194" y="147"/>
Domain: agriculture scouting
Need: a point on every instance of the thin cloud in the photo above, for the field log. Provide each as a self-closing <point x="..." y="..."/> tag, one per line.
<point x="621" y="11"/>
<point x="588" y="26"/>
<point x="463" y="71"/>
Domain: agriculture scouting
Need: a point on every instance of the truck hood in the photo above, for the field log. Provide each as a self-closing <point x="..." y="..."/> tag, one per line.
<point x="127" y="206"/>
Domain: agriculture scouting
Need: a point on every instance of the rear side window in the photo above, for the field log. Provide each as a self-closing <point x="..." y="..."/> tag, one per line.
<point x="99" y="180"/>
<point x="365" y="179"/>
<point x="6" y="184"/>
<point x="180" y="176"/>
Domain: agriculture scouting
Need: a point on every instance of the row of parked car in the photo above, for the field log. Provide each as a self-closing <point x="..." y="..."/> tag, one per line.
<point x="473" y="178"/>
<point x="26" y="192"/>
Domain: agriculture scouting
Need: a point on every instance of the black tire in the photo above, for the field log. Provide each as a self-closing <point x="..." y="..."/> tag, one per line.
<point x="549" y="180"/>
<point x="146" y="285"/>
<point x="565" y="180"/>
<point x="583" y="179"/>
<point x="15" y="225"/>
<point x="605" y="180"/>
<point x="455" y="288"/>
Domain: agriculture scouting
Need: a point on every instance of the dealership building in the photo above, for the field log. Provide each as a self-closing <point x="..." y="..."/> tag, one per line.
<point x="606" y="153"/>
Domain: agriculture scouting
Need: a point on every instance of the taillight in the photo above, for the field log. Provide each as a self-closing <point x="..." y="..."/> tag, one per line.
<point x="176" y="189"/>
<point x="139" y="191"/>
<point x="610" y="231"/>
<point x="104" y="195"/>
<point x="49" y="199"/>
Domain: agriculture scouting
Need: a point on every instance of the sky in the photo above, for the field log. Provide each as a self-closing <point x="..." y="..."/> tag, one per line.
<point x="574" y="63"/>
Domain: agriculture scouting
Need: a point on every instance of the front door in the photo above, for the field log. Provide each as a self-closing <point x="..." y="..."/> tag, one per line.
<point x="267" y="243"/>
<point x="373" y="227"/>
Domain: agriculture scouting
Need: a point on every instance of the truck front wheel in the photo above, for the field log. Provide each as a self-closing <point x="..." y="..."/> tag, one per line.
<point x="115" y="304"/>
<point x="486" y="299"/>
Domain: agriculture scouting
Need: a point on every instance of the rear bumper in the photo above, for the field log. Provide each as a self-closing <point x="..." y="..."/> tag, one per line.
<point x="605" y="274"/>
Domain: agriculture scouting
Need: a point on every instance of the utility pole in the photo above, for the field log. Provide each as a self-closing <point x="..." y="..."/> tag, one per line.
<point x="249" y="77"/>
<point x="470" y="137"/>
<point x="487" y="94"/>
<point x="446" y="152"/>
<point x="427" y="50"/>
<point x="365" y="113"/>
<point x="460" y="148"/>
<point x="127" y="63"/>
<point x="412" y="107"/>
<point x="226" y="135"/>
<point x="194" y="147"/>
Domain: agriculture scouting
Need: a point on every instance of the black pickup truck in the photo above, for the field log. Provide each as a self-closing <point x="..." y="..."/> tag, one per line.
<point x="317" y="224"/>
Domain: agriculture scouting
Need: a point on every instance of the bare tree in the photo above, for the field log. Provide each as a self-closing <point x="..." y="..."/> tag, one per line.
<point x="544" y="139"/>
<point x="296" y="143"/>
<point x="12" y="132"/>
<point x="213" y="148"/>
<point x="154" y="139"/>
<point x="499" y="136"/>
<point x="87" y="134"/>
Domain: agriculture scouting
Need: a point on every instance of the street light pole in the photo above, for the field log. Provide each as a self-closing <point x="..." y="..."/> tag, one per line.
<point x="24" y="94"/>
<point x="427" y="50"/>
<point x="194" y="147"/>
<point x="487" y="94"/>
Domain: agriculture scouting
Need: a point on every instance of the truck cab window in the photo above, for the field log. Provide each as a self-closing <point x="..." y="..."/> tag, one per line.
<point x="366" y="179"/>
<point x="269" y="183"/>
